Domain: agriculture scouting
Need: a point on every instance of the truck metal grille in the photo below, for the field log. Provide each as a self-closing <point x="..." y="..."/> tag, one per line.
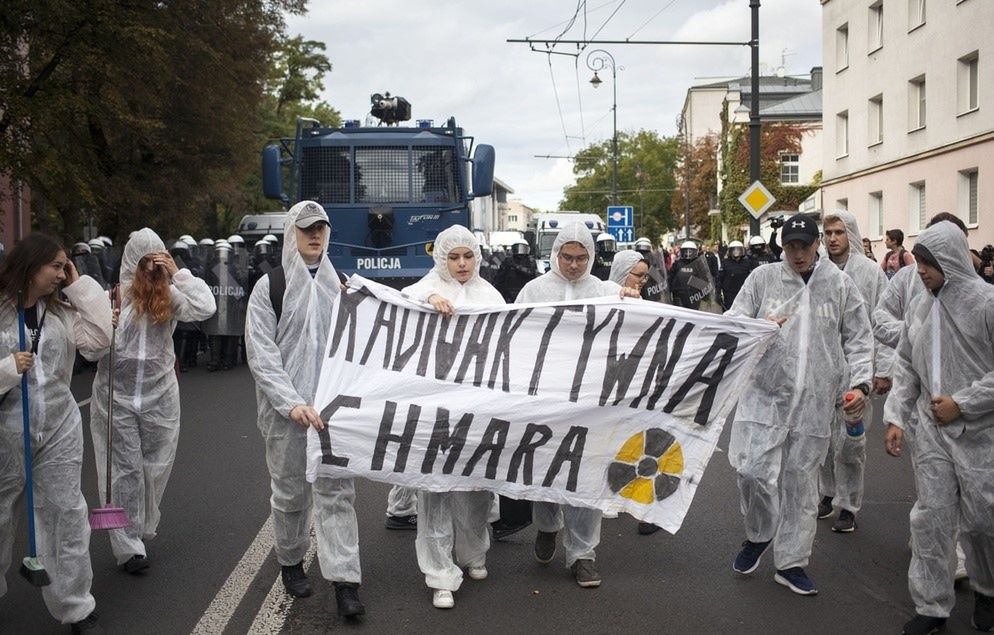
<point x="375" y="175"/>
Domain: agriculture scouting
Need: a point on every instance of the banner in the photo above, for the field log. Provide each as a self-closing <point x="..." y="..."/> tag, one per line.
<point x="605" y="403"/>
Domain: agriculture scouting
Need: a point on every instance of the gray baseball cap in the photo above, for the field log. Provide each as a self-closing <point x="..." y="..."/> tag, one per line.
<point x="311" y="213"/>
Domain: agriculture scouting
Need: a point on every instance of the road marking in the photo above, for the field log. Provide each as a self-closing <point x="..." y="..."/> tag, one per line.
<point x="85" y="402"/>
<point x="274" y="610"/>
<point x="222" y="607"/>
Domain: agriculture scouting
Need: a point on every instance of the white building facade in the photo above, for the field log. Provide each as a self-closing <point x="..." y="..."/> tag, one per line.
<point x="909" y="114"/>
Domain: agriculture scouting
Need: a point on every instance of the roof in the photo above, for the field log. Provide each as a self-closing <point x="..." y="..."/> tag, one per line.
<point x="504" y="186"/>
<point x="766" y="82"/>
<point x="805" y="106"/>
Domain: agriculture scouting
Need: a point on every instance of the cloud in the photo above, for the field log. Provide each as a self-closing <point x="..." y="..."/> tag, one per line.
<point x="450" y="58"/>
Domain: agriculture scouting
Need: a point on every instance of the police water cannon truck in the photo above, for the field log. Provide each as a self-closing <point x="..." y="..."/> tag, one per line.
<point x="388" y="189"/>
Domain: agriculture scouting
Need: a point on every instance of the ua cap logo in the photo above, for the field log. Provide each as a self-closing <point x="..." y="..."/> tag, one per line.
<point x="797" y="223"/>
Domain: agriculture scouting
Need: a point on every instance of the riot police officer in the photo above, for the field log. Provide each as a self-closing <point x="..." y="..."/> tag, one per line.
<point x="690" y="278"/>
<point x="516" y="271"/>
<point x="606" y="247"/>
<point x="735" y="268"/>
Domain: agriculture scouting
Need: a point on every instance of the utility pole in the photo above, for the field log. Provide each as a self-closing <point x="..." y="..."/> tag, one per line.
<point x="754" y="123"/>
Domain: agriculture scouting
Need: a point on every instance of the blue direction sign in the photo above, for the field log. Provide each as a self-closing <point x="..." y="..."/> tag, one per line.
<point x="620" y="216"/>
<point x="622" y="234"/>
<point x="620" y="222"/>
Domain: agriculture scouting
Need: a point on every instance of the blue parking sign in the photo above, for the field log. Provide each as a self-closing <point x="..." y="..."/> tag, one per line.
<point x="620" y="216"/>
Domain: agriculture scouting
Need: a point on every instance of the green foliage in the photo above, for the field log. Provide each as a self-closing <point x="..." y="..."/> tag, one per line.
<point x="698" y="172"/>
<point x="776" y="138"/>
<point x="645" y="180"/>
<point x="147" y="113"/>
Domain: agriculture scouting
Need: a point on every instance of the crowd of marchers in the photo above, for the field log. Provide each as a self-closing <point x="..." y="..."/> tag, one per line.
<point x="917" y="327"/>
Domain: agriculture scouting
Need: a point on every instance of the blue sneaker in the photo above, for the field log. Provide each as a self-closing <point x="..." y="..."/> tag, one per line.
<point x="748" y="559"/>
<point x="796" y="580"/>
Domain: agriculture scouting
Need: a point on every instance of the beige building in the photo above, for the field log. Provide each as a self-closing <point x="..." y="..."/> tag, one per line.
<point x="514" y="216"/>
<point x="909" y="113"/>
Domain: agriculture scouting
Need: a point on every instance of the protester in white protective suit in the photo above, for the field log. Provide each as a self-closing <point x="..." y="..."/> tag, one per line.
<point x="888" y="322"/>
<point x="284" y="356"/>
<point x="453" y="526"/>
<point x="402" y="508"/>
<point x="944" y="373"/>
<point x="39" y="266"/>
<point x="841" y="475"/>
<point x="629" y="269"/>
<point x="155" y="295"/>
<point x="569" y="278"/>
<point x="781" y="434"/>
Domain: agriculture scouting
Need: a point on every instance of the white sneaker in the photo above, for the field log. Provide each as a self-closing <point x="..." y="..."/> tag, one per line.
<point x="611" y="514"/>
<point x="443" y="599"/>
<point x="477" y="573"/>
<point x="960" y="564"/>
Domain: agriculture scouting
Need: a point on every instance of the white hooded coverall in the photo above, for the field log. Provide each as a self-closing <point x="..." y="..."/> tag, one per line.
<point x="582" y="524"/>
<point x="285" y="360"/>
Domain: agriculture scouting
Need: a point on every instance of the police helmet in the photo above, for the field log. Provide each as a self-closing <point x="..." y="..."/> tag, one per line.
<point x="80" y="248"/>
<point x="688" y="250"/>
<point x="96" y="245"/>
<point x="235" y="239"/>
<point x="520" y="248"/>
<point x="736" y="249"/>
<point x="206" y="242"/>
<point x="606" y="244"/>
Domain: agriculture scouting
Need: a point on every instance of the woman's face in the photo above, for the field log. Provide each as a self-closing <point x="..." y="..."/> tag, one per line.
<point x="638" y="275"/>
<point x="50" y="276"/>
<point x="461" y="264"/>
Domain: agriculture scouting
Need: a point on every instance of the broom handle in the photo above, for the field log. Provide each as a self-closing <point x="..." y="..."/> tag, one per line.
<point x="26" y="418"/>
<point x="110" y="392"/>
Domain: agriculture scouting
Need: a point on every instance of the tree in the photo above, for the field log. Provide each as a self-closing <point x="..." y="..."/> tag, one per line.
<point x="134" y="113"/>
<point x="645" y="180"/>
<point x="698" y="173"/>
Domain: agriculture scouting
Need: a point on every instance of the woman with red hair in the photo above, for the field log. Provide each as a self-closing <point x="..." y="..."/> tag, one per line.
<point x="155" y="294"/>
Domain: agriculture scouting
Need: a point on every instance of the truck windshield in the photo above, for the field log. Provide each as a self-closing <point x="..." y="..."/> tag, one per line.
<point x="545" y="244"/>
<point x="380" y="175"/>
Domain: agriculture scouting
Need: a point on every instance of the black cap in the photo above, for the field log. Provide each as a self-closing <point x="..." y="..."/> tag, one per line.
<point x="800" y="227"/>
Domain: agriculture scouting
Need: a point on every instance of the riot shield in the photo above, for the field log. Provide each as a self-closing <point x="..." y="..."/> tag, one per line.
<point x="693" y="287"/>
<point x="88" y="264"/>
<point x="656" y="288"/>
<point x="228" y="288"/>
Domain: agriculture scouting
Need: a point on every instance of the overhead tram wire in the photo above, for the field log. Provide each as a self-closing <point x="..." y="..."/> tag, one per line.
<point x="559" y="106"/>
<point x="597" y="8"/>
<point x="654" y="16"/>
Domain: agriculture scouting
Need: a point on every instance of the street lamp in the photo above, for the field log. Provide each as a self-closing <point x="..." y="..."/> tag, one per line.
<point x="597" y="60"/>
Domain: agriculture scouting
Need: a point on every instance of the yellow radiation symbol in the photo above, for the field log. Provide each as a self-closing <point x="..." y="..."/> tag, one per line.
<point x="647" y="468"/>
<point x="429" y="248"/>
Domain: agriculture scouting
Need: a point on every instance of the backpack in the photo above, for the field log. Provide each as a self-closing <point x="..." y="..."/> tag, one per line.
<point x="900" y="257"/>
<point x="277" y="287"/>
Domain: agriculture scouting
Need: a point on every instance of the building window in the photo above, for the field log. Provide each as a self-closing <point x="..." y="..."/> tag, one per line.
<point x="916" y="206"/>
<point x="875" y="120"/>
<point x="842" y="47"/>
<point x="968" y="205"/>
<point x="876" y="26"/>
<point x="916" y="103"/>
<point x="967" y="82"/>
<point x="842" y="134"/>
<point x="842" y="203"/>
<point x="916" y="14"/>
<point x="512" y="218"/>
<point x="790" y="173"/>
<point x="876" y="220"/>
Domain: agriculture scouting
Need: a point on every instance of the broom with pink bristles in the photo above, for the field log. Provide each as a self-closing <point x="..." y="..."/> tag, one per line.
<point x="108" y="517"/>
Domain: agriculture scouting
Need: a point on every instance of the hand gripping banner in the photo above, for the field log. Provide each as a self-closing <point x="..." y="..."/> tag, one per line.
<point x="605" y="403"/>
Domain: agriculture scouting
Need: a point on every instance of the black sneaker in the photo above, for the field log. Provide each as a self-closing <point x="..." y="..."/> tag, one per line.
<point x="295" y="580"/>
<point x="135" y="564"/>
<point x="347" y="598"/>
<point x="825" y="507"/>
<point x="796" y="580"/>
<point x="87" y="625"/>
<point x="402" y="522"/>
<point x="586" y="573"/>
<point x="545" y="546"/>
<point x="983" y="612"/>
<point x="502" y="529"/>
<point x="648" y="528"/>
<point x="748" y="559"/>
<point x="846" y="523"/>
<point x="924" y="625"/>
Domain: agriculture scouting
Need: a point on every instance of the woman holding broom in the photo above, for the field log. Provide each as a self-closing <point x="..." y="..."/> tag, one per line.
<point x="30" y="280"/>
<point x="155" y="295"/>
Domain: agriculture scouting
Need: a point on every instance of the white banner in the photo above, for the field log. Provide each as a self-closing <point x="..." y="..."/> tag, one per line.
<point x="605" y="403"/>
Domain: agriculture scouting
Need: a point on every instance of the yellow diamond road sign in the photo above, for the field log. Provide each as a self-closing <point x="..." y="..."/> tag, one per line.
<point x="757" y="199"/>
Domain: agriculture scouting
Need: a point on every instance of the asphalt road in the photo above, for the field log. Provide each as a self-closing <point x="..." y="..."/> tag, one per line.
<point x="211" y="565"/>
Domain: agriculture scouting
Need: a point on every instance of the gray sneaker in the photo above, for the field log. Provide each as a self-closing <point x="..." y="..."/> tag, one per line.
<point x="586" y="573"/>
<point x="846" y="523"/>
<point x="545" y="546"/>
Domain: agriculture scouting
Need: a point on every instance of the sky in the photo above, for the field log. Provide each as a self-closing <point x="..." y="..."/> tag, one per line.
<point x="451" y="58"/>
